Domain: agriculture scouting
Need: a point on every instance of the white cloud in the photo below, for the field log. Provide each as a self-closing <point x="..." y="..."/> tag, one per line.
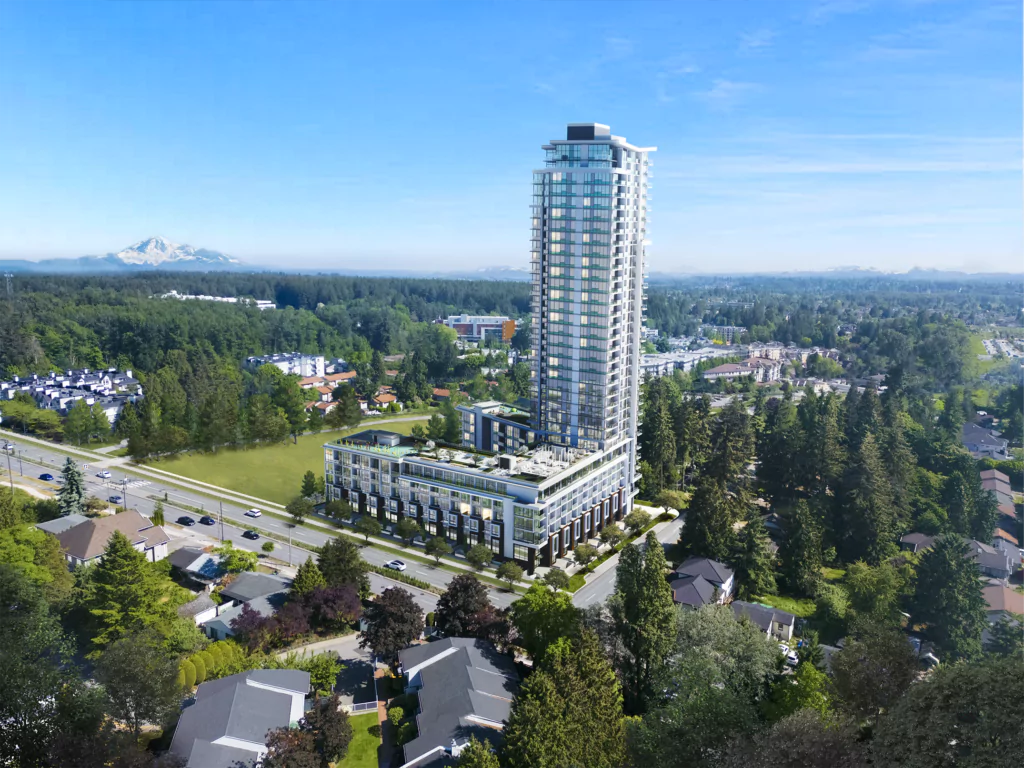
<point x="757" y="40"/>
<point x="725" y="94"/>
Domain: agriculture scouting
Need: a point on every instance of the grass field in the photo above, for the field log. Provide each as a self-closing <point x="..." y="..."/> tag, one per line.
<point x="801" y="607"/>
<point x="271" y="472"/>
<point x="362" y="750"/>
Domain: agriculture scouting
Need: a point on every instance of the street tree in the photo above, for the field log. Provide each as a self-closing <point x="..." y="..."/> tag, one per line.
<point x="308" y="489"/>
<point x="479" y="556"/>
<point x="612" y="535"/>
<point x="510" y="572"/>
<point x="299" y="508"/>
<point x="408" y="529"/>
<point x="584" y="554"/>
<point x="636" y="521"/>
<point x="368" y="526"/>
<point x="437" y="547"/>
<point x="556" y="578"/>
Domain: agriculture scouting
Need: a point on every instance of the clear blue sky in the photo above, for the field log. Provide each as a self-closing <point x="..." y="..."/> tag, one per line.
<point x="791" y="135"/>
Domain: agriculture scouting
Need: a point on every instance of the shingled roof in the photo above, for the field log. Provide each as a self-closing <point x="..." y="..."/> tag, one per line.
<point x="88" y="540"/>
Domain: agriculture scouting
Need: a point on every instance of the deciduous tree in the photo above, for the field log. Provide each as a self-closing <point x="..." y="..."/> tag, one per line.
<point x="140" y="680"/>
<point x="543" y="616"/>
<point x="464" y="597"/>
<point x="393" y="620"/>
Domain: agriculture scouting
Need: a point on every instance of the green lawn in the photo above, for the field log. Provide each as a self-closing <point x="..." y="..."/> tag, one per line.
<point x="362" y="750"/>
<point x="832" y="574"/>
<point x="271" y="472"/>
<point x="799" y="606"/>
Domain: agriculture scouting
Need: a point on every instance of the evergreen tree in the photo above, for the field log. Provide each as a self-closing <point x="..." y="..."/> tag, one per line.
<point x="158" y="513"/>
<point x="643" y="614"/>
<point x="658" y="441"/>
<point x="477" y="754"/>
<point x="709" y="519"/>
<point x="948" y="599"/>
<point x="899" y="460"/>
<point x="127" y="423"/>
<point x="307" y="578"/>
<point x="693" y="421"/>
<point x="801" y="551"/>
<point x="100" y="424"/>
<point x="347" y="413"/>
<point x="452" y="425"/>
<point x="732" y="444"/>
<point x="71" y="495"/>
<point x="126" y="596"/>
<point x="308" y="484"/>
<point x="866" y="512"/>
<point x="777" y="448"/>
<point x="753" y="561"/>
<point x="567" y="713"/>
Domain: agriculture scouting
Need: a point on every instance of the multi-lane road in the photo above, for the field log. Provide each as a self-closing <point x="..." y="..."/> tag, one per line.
<point x="32" y="459"/>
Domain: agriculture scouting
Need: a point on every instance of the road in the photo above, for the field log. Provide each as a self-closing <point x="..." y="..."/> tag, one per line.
<point x="32" y="459"/>
<point x="601" y="585"/>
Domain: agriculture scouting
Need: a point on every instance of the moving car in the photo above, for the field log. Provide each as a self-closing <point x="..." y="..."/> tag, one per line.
<point x="253" y="513"/>
<point x="395" y="565"/>
<point x="46" y="476"/>
<point x="115" y="500"/>
<point x="250" y="534"/>
<point x="207" y="520"/>
<point x="183" y="520"/>
<point x="103" y="474"/>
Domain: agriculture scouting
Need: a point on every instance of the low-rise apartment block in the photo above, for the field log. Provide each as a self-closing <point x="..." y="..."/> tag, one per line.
<point x="291" y="363"/>
<point x="59" y="391"/>
<point x="481" y="327"/>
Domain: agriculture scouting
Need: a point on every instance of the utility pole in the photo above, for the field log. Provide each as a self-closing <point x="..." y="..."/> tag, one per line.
<point x="9" y="473"/>
<point x="124" y="491"/>
<point x="20" y="472"/>
<point x="289" y="538"/>
<point x="222" y="523"/>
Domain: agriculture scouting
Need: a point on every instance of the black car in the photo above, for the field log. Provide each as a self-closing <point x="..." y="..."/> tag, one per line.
<point x="46" y="476"/>
<point x="250" y="535"/>
<point x="207" y="520"/>
<point x="186" y="520"/>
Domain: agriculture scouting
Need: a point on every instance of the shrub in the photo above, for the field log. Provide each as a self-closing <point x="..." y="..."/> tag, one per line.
<point x="430" y="619"/>
<point x="409" y="702"/>
<point x="217" y="658"/>
<point x="209" y="663"/>
<point x="200" y="668"/>
<point x="406" y="733"/>
<point x="268" y="547"/>
<point x="190" y="675"/>
<point x="374" y="731"/>
<point x="395" y="715"/>
<point x="180" y="680"/>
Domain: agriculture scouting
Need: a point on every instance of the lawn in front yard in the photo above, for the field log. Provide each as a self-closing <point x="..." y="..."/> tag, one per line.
<point x="362" y="750"/>
<point x="272" y="472"/>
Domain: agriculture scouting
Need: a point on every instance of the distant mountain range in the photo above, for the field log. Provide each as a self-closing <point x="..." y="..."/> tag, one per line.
<point x="154" y="253"/>
<point x="160" y="254"/>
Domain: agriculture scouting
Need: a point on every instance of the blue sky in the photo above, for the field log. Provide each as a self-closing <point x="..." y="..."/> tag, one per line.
<point x="792" y="135"/>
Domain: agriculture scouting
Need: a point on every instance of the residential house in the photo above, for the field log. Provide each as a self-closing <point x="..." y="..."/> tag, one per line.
<point x="465" y="688"/>
<point x="991" y="561"/>
<point x="1007" y="544"/>
<point x="983" y="443"/>
<point x="999" y="489"/>
<point x="691" y="580"/>
<point x="1001" y="535"/>
<point x="231" y="717"/>
<point x="262" y="592"/>
<point x="994" y="474"/>
<point x="916" y="542"/>
<point x="325" y="394"/>
<point x="86" y="542"/>
<point x="1002" y="602"/>
<point x="760" y="368"/>
<point x="200" y="566"/>
<point x="441" y="395"/>
<point x="334" y="379"/>
<point x="61" y="524"/>
<point x="311" y="382"/>
<point x="772" y="621"/>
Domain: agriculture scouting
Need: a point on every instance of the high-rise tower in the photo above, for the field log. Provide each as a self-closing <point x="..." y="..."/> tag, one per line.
<point x="589" y="226"/>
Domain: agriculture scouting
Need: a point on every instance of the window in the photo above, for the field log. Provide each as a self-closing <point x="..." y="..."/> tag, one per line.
<point x="519" y="552"/>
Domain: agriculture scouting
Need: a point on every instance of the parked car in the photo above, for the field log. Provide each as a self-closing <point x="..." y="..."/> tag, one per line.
<point x="253" y="513"/>
<point x="250" y="534"/>
<point x="395" y="565"/>
<point x="207" y="520"/>
<point x="104" y="474"/>
<point x="116" y="500"/>
<point x="792" y="659"/>
<point x="185" y="520"/>
<point x="46" y="476"/>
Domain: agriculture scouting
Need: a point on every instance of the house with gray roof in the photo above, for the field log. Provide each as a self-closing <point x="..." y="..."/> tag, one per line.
<point x="916" y="542"/>
<point x="465" y="688"/>
<point x="231" y="717"/>
<point x="61" y="524"/>
<point x="772" y="621"/>
<point x="197" y="564"/>
<point x="983" y="443"/>
<point x="262" y="592"/>
<point x="718" y="575"/>
<point x="87" y="541"/>
<point x="991" y="561"/>
<point x="694" y="591"/>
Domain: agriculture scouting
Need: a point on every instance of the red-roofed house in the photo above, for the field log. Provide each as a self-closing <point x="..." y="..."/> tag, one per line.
<point x="442" y="395"/>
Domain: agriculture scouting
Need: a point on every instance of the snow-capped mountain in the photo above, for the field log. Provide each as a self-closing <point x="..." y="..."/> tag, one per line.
<point x="160" y="252"/>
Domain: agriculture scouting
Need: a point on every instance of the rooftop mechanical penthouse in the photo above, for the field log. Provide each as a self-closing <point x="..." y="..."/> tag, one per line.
<point x="533" y="484"/>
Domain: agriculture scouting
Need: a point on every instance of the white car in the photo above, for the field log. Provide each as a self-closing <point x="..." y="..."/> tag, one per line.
<point x="395" y="565"/>
<point x="784" y="648"/>
<point x="104" y="474"/>
<point x="792" y="659"/>
<point x="253" y="513"/>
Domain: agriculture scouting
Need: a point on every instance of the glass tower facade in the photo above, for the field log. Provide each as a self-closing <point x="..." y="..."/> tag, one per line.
<point x="589" y="225"/>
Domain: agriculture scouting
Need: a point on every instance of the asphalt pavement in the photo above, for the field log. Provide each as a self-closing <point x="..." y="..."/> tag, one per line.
<point x="32" y="459"/>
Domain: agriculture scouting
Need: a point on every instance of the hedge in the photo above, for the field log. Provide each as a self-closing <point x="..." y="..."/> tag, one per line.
<point x="190" y="674"/>
<point x="412" y="581"/>
<point x="197" y="660"/>
<point x="209" y="664"/>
